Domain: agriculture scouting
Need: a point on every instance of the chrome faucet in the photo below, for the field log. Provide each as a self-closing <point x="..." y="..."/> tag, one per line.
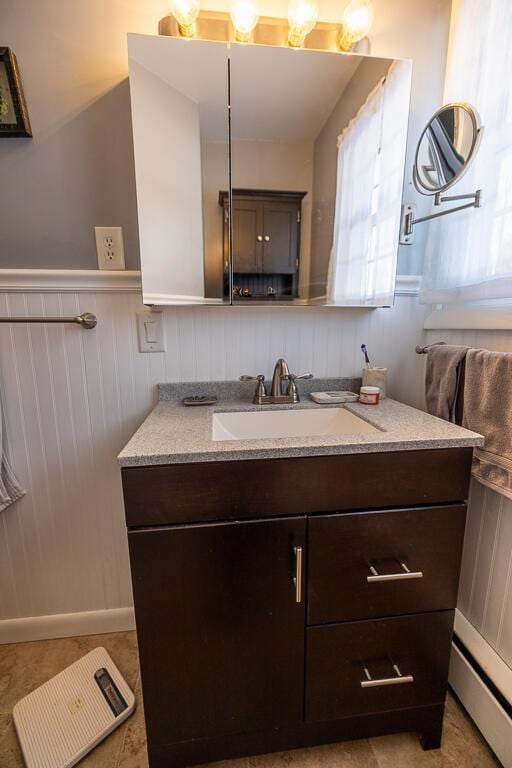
<point x="277" y="395"/>
<point x="281" y="372"/>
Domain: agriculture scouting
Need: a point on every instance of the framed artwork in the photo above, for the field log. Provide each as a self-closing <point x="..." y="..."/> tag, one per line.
<point x="14" y="119"/>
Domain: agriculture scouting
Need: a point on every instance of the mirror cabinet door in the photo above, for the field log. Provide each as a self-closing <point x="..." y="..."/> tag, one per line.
<point x="317" y="156"/>
<point x="318" y="144"/>
<point x="179" y="95"/>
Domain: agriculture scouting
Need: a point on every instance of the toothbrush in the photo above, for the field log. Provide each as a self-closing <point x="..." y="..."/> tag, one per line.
<point x="364" y="350"/>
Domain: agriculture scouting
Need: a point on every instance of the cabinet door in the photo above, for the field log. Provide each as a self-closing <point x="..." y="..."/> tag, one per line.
<point x="247" y="235"/>
<point x="280" y="237"/>
<point x="221" y="634"/>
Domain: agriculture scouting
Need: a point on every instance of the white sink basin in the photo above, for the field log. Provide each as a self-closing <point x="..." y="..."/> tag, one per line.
<point x="305" y="422"/>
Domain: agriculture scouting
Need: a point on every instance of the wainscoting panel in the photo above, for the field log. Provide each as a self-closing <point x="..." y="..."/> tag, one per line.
<point x="72" y="398"/>
<point x="485" y="596"/>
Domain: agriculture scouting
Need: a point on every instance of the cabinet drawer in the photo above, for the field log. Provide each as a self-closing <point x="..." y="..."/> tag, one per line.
<point x="369" y="564"/>
<point x="354" y="668"/>
<point x="235" y="490"/>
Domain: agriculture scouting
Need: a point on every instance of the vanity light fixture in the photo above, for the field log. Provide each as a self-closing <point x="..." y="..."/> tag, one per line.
<point x="302" y="16"/>
<point x="185" y="12"/>
<point x="357" y="22"/>
<point x="244" y="17"/>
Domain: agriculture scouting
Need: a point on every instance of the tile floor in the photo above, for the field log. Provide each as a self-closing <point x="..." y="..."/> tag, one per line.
<point x="24" y="666"/>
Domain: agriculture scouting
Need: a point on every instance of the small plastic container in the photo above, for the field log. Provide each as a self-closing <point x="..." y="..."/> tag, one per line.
<point x="369" y="395"/>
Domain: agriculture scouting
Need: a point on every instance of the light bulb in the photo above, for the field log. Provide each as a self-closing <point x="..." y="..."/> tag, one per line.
<point x="357" y="21"/>
<point x="302" y="16"/>
<point x="185" y="12"/>
<point x="244" y="17"/>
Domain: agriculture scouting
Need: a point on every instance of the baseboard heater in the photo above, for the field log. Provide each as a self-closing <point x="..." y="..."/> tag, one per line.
<point x="483" y="683"/>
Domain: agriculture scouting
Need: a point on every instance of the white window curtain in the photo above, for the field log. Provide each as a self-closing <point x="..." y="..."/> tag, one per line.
<point x="469" y="254"/>
<point x="371" y="156"/>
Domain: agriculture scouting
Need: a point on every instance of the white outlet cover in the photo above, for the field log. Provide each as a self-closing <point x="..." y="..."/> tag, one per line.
<point x="109" y="247"/>
<point x="151" y="331"/>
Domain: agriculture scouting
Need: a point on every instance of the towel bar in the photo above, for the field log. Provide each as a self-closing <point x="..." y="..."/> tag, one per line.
<point x="86" y="320"/>
<point x="423" y="350"/>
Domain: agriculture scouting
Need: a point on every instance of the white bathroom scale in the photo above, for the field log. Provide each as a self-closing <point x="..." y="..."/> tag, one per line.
<point x="62" y="720"/>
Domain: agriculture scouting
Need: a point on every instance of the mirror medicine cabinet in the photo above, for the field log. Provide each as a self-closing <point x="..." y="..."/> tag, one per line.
<point x="267" y="175"/>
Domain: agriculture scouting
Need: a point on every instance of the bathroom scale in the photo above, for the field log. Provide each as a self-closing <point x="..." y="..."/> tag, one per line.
<point x="62" y="720"/>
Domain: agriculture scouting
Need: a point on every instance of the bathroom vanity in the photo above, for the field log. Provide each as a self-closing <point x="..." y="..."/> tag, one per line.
<point x="292" y="591"/>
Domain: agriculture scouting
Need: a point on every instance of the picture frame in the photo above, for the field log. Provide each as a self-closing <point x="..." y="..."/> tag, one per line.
<point x="14" y="119"/>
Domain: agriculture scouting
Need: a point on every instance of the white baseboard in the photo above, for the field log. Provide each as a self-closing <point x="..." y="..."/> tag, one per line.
<point x="66" y="625"/>
<point x="490" y="718"/>
<point x="492" y="664"/>
<point x="486" y="711"/>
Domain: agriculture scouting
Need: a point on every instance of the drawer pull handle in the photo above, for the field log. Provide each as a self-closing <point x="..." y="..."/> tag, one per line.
<point x="399" y="679"/>
<point x="405" y="573"/>
<point x="297" y="579"/>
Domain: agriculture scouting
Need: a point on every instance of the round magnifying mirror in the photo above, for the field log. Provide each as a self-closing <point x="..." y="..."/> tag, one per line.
<point x="446" y="148"/>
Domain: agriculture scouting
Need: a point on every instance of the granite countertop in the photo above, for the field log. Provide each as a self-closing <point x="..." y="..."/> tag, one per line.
<point x="177" y="434"/>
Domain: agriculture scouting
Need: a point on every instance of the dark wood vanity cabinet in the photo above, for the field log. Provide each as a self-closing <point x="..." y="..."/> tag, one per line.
<point x="261" y="629"/>
<point x="266" y="242"/>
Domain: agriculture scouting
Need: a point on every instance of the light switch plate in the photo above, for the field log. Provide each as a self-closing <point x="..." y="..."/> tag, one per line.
<point x="109" y="247"/>
<point x="151" y="331"/>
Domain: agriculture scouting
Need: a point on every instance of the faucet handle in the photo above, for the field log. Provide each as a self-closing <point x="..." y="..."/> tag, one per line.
<point x="292" y="387"/>
<point x="294" y="377"/>
<point x="261" y="392"/>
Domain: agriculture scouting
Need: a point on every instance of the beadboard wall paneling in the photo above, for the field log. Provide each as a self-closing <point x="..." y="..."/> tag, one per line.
<point x="72" y="398"/>
<point x="485" y="596"/>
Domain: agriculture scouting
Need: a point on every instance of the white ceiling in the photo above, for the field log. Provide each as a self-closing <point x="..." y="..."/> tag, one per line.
<point x="195" y="68"/>
<point x="283" y="94"/>
<point x="277" y="94"/>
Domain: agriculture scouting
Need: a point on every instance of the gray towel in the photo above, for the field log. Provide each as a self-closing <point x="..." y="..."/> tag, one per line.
<point x="10" y="489"/>
<point x="444" y="381"/>
<point x="488" y="410"/>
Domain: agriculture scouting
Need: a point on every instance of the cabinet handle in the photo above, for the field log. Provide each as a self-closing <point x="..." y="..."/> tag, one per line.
<point x="405" y="573"/>
<point x="259" y="238"/>
<point x="297" y="579"/>
<point x="267" y="238"/>
<point x="399" y="679"/>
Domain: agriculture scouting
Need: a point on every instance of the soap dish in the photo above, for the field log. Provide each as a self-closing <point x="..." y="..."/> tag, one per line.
<point x="337" y="396"/>
<point x="199" y="400"/>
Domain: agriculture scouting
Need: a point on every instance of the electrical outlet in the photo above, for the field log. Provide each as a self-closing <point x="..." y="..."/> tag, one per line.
<point x="109" y="247"/>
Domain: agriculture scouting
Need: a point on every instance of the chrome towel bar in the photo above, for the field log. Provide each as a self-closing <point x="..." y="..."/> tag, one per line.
<point x="86" y="320"/>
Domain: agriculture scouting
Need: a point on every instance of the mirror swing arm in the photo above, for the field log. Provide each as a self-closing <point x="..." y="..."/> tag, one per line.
<point x="443" y="139"/>
<point x="408" y="220"/>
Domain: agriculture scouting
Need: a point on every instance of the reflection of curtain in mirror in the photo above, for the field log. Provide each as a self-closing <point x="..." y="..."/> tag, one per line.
<point x="469" y="254"/>
<point x="371" y="153"/>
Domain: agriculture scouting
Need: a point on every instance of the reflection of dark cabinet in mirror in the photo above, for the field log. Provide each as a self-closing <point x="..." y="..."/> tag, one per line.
<point x="266" y="243"/>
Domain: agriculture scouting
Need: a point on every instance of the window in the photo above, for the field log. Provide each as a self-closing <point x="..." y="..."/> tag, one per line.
<point x="469" y="254"/>
<point x="371" y="154"/>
